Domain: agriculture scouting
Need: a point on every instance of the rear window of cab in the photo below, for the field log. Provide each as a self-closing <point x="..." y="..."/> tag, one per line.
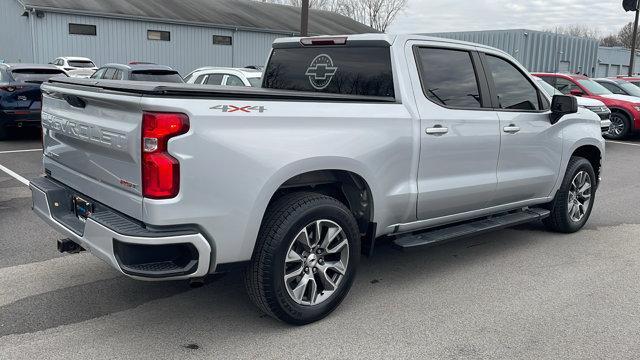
<point x="339" y="70"/>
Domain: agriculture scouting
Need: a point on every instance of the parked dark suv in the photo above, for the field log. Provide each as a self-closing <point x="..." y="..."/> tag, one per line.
<point x="20" y="96"/>
<point x="138" y="72"/>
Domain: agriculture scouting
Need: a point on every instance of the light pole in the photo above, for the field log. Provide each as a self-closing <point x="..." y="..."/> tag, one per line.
<point x="304" y="19"/>
<point x="633" y="5"/>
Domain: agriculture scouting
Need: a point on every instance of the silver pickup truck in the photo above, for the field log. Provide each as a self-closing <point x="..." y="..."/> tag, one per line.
<point x="413" y="139"/>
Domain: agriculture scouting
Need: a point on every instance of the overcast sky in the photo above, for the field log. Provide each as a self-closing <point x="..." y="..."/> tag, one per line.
<point x="447" y="15"/>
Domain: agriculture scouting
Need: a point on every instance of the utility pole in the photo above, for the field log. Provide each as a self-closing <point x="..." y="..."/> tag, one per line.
<point x="630" y="5"/>
<point x="304" y="17"/>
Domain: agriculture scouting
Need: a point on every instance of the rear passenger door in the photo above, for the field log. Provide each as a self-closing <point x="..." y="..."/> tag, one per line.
<point x="459" y="132"/>
<point x="531" y="147"/>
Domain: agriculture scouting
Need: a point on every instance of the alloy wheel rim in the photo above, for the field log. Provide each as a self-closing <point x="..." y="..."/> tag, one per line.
<point x="316" y="262"/>
<point x="617" y="126"/>
<point x="579" y="196"/>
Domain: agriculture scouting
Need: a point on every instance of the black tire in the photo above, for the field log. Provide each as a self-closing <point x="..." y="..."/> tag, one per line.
<point x="3" y="134"/>
<point x="560" y="219"/>
<point x="284" y="219"/>
<point x="620" y="126"/>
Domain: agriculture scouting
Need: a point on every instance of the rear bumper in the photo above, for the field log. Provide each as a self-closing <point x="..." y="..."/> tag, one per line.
<point x="19" y="118"/>
<point x="134" y="249"/>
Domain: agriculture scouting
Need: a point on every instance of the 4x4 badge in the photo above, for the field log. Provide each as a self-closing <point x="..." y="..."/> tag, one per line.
<point x="321" y="71"/>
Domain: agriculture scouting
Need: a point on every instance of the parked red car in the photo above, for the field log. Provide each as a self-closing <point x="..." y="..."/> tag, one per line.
<point x="625" y="110"/>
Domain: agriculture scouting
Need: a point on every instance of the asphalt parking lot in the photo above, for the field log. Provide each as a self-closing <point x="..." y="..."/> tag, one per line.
<point x="517" y="293"/>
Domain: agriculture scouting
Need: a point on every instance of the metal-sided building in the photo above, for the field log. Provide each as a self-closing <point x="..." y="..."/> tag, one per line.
<point x="537" y="50"/>
<point x="184" y="34"/>
<point x="613" y="61"/>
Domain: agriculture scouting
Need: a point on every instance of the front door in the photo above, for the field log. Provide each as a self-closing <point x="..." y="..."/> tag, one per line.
<point x="460" y="137"/>
<point x="531" y="148"/>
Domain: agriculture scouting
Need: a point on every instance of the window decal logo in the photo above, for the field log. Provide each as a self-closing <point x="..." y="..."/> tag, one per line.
<point x="321" y="71"/>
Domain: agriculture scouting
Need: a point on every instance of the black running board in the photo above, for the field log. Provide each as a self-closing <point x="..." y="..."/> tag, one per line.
<point x="468" y="229"/>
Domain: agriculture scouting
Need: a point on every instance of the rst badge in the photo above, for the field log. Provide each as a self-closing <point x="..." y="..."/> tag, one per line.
<point x="239" y="109"/>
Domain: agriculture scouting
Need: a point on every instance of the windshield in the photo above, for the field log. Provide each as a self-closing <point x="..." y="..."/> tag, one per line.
<point x="35" y="75"/>
<point x="630" y="89"/>
<point x="157" y="76"/>
<point x="81" y="64"/>
<point x="548" y="88"/>
<point x="257" y="82"/>
<point x="593" y="87"/>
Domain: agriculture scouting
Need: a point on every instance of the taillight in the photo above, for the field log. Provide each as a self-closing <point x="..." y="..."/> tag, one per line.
<point x="8" y="88"/>
<point x="161" y="171"/>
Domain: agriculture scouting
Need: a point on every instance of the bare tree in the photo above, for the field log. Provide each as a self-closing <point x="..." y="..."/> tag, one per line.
<point x="378" y="14"/>
<point x="610" y="41"/>
<point x="578" y="30"/>
<point x="625" y="36"/>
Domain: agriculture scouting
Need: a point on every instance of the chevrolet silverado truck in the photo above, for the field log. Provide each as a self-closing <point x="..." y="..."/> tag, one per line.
<point x="413" y="139"/>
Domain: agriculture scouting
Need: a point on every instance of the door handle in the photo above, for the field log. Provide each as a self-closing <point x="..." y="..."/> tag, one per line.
<point x="437" y="130"/>
<point x="511" y="129"/>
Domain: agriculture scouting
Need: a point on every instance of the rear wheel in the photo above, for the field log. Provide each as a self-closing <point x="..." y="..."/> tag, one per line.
<point x="573" y="203"/>
<point x="305" y="258"/>
<point x="620" y="126"/>
<point x="3" y="133"/>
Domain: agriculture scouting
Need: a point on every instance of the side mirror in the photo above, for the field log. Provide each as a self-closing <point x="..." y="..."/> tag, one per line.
<point x="576" y="92"/>
<point x="562" y="105"/>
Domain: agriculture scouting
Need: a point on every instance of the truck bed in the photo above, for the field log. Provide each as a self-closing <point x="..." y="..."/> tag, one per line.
<point x="209" y="91"/>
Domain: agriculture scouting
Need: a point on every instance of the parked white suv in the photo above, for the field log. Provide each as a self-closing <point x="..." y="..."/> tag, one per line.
<point x="225" y="76"/>
<point x="80" y="67"/>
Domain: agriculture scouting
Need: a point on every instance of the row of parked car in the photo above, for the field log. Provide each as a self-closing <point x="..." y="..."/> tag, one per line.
<point x="21" y="99"/>
<point x="615" y="100"/>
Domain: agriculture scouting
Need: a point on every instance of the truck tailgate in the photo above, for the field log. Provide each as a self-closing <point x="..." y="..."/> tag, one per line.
<point x="92" y="143"/>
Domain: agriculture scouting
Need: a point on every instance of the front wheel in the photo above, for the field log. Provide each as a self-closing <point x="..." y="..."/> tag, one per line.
<point x="305" y="258"/>
<point x="620" y="126"/>
<point x="573" y="203"/>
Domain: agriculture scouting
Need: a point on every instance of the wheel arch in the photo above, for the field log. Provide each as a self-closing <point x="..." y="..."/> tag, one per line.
<point x="593" y="154"/>
<point x="346" y="179"/>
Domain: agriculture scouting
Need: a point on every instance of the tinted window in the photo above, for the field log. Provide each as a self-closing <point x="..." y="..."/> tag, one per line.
<point x="109" y="73"/>
<point x="157" y="76"/>
<point x="565" y="86"/>
<point x="81" y="64"/>
<point x="233" y="80"/>
<point x="550" y="90"/>
<point x="613" y="88"/>
<point x="98" y="73"/>
<point x="448" y="77"/>
<point x="338" y="70"/>
<point x="35" y="75"/>
<point x="257" y="82"/>
<point x="82" y="29"/>
<point x="514" y="90"/>
<point x="215" y="79"/>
